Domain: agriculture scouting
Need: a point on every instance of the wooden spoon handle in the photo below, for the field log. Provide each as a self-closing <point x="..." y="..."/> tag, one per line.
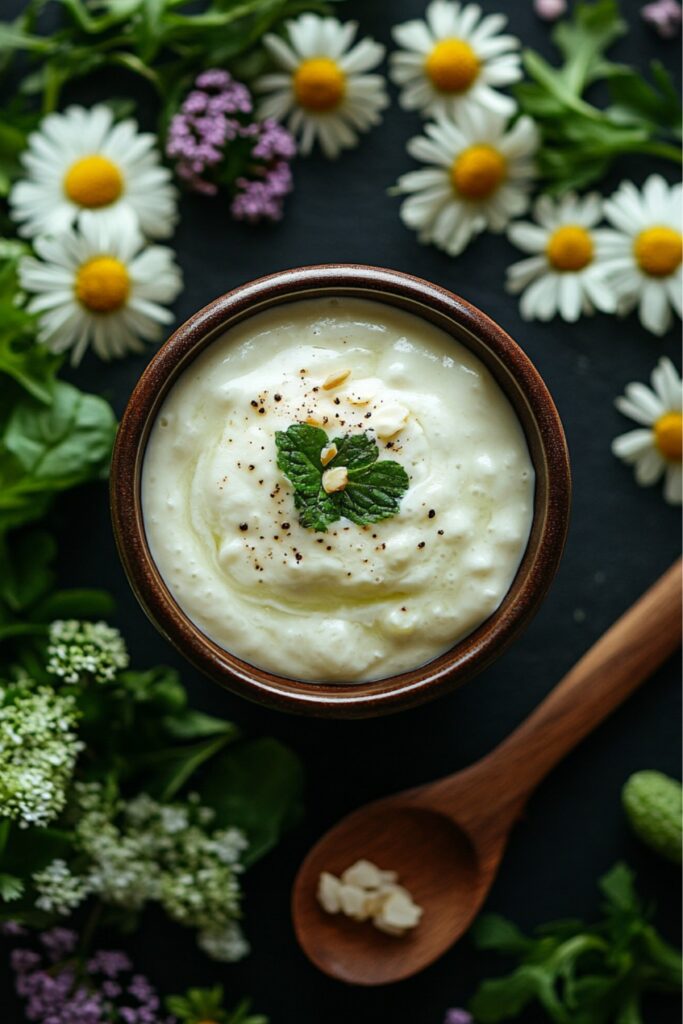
<point x="630" y="651"/>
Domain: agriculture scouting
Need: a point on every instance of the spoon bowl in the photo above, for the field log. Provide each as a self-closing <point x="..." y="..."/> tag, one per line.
<point x="446" y="839"/>
<point x="451" y="879"/>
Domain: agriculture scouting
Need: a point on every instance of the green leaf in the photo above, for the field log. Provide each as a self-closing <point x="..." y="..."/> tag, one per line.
<point x="619" y="888"/>
<point x="26" y="572"/>
<point x="256" y="785"/>
<point x="160" y="686"/>
<point x="580" y="141"/>
<point x="171" y="769"/>
<point x="491" y="931"/>
<point x="60" y="445"/>
<point x="298" y="456"/>
<point x="11" y="888"/>
<point x="503" y="998"/>
<point x="190" y="724"/>
<point x="77" y="603"/>
<point x="372" y="493"/>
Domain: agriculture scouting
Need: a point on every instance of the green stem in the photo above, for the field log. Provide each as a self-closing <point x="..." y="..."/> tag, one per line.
<point x="5" y="826"/>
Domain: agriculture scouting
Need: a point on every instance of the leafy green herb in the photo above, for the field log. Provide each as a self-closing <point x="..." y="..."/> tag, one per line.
<point x="256" y="785"/>
<point x="52" y="436"/>
<point x="580" y="141"/>
<point x="374" y="489"/>
<point x="580" y="974"/>
<point x="160" y="41"/>
<point x="204" y="1005"/>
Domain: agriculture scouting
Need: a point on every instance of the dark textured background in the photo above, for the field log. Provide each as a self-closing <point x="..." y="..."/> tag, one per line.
<point x="622" y="537"/>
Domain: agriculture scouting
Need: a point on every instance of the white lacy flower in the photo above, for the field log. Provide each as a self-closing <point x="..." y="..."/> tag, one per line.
<point x="455" y="59"/>
<point x="655" y="448"/>
<point x="100" y="285"/>
<point x="78" y="651"/>
<point x="140" y="851"/>
<point x="224" y="944"/>
<point x="38" y="751"/>
<point x="80" y="160"/>
<point x="479" y="176"/>
<point x="565" y="272"/>
<point x="323" y="89"/>
<point x="59" y="891"/>
<point x="645" y="252"/>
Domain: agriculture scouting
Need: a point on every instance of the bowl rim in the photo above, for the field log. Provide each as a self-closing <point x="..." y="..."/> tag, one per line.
<point x="519" y="380"/>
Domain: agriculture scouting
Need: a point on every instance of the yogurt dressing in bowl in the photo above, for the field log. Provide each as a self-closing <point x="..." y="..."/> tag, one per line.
<point x="352" y="603"/>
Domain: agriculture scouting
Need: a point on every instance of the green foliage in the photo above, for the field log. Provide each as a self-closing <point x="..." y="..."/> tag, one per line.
<point x="160" y="41"/>
<point x="14" y="128"/>
<point x="654" y="805"/>
<point x="579" y="140"/>
<point x="256" y="785"/>
<point x="580" y="974"/>
<point x="52" y="436"/>
<point x="204" y="1005"/>
<point x="374" y="489"/>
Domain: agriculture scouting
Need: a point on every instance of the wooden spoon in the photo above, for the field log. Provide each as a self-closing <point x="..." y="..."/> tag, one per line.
<point x="446" y="839"/>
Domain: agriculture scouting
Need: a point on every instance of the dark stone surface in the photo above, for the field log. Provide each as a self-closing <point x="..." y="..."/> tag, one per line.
<point x="622" y="537"/>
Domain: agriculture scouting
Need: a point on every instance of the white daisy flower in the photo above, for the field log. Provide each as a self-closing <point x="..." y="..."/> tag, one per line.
<point x="455" y="59"/>
<point x="655" y="449"/>
<point x="323" y="89"/>
<point x="565" y="272"/>
<point x="100" y="286"/>
<point x="644" y="253"/>
<point x="81" y="161"/>
<point x="479" y="176"/>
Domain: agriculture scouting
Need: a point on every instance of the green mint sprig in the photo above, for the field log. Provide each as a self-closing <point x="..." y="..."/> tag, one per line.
<point x="373" y="491"/>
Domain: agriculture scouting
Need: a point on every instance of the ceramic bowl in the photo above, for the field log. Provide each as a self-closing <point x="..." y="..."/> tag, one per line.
<point x="514" y="373"/>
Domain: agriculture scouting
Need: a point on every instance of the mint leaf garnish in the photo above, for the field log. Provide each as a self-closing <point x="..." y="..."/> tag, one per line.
<point x="374" y="488"/>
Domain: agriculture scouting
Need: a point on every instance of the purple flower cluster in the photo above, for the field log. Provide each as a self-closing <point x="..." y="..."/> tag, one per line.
<point x="58" y="990"/>
<point x="458" y="1017"/>
<point x="665" y="16"/>
<point x="215" y="140"/>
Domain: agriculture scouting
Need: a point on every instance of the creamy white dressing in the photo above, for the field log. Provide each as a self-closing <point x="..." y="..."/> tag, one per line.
<point x="353" y="603"/>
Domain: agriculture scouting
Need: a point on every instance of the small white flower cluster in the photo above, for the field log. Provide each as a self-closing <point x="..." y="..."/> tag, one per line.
<point x="78" y="651"/>
<point x="59" y="891"/>
<point x="141" y="851"/>
<point x="38" y="752"/>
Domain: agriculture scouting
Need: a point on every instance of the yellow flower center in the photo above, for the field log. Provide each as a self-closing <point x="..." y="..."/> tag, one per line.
<point x="319" y="84"/>
<point x="102" y="284"/>
<point x="93" y="181"/>
<point x="478" y="171"/>
<point x="452" y="66"/>
<point x="659" y="251"/>
<point x="669" y="435"/>
<point x="570" y="248"/>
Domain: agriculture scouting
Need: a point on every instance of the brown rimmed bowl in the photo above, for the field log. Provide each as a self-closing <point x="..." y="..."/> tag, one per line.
<point x="517" y="377"/>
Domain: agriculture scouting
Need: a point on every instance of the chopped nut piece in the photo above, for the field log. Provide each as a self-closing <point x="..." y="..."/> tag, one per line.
<point x="389" y="420"/>
<point x="335" y="379"/>
<point x="328" y="453"/>
<point x="328" y="893"/>
<point x="355" y="903"/>
<point x="314" y="421"/>
<point x="367" y="875"/>
<point x="365" y="891"/>
<point x="361" y="394"/>
<point x="398" y="911"/>
<point x="335" y="479"/>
